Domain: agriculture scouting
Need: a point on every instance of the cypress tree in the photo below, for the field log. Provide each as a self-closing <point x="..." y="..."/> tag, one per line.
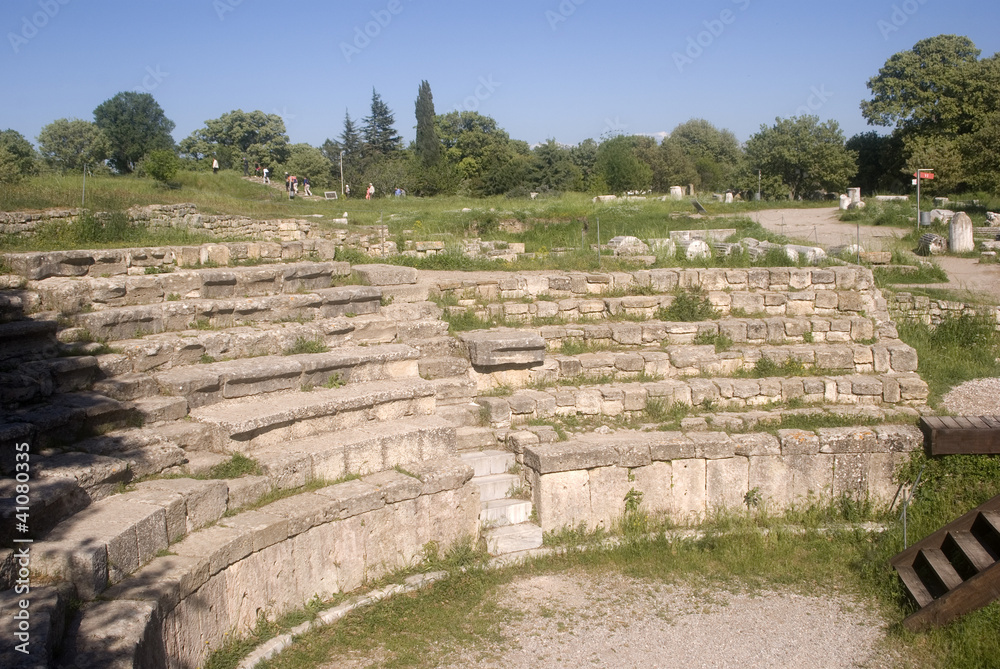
<point x="428" y="146"/>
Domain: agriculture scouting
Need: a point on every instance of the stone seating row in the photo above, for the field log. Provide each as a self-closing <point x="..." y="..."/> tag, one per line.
<point x="71" y="295"/>
<point x="623" y="399"/>
<point x="117" y="323"/>
<point x="685" y="476"/>
<point x="37" y="266"/>
<point x="568" y="284"/>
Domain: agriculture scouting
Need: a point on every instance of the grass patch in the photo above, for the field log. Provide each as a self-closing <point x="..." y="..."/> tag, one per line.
<point x="689" y="306"/>
<point x="303" y="346"/>
<point x="957" y="350"/>
<point x="236" y="467"/>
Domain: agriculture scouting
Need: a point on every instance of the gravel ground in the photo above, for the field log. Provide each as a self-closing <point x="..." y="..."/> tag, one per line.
<point x="979" y="397"/>
<point x="612" y="620"/>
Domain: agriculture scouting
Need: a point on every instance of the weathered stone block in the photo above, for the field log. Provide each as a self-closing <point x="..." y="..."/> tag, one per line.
<point x="727" y="482"/>
<point x="501" y="348"/>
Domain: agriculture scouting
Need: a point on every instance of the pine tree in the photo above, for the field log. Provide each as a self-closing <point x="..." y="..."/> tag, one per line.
<point x="380" y="136"/>
<point x="428" y="145"/>
<point x="350" y="138"/>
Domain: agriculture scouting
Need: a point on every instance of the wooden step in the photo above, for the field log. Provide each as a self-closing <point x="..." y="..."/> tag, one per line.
<point x="914" y="585"/>
<point x="971" y="549"/>
<point x="942" y="567"/>
<point x="949" y="435"/>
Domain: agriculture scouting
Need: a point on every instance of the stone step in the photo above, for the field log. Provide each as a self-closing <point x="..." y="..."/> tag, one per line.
<point x="711" y="394"/>
<point x="66" y="418"/>
<point x="117" y="323"/>
<point x="833" y="329"/>
<point x="247" y="424"/>
<point x="489" y="463"/>
<point x="48" y="609"/>
<point x="374" y="447"/>
<point x="461" y="415"/>
<point x="72" y="295"/>
<point x="496" y="486"/>
<point x="52" y="499"/>
<point x="36" y="380"/>
<point x="171" y="349"/>
<point x="454" y="390"/>
<point x="505" y="512"/>
<point x="202" y="385"/>
<point x="26" y="340"/>
<point x="762" y="304"/>
<point x="443" y="367"/>
<point x="513" y="538"/>
<point x="474" y="438"/>
<point x="695" y="360"/>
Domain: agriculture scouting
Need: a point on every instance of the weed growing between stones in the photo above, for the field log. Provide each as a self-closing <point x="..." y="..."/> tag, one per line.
<point x="720" y="340"/>
<point x="689" y="306"/>
<point x="303" y="345"/>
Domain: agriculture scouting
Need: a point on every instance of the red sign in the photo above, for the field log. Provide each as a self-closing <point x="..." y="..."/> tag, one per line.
<point x="923" y="175"/>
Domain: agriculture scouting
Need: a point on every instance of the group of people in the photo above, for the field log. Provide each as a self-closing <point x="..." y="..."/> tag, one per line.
<point x="292" y="185"/>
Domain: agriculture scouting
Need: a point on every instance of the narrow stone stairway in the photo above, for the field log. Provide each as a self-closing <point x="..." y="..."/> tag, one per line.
<point x="507" y="520"/>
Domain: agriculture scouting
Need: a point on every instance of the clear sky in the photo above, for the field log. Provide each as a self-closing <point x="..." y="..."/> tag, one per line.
<point x="563" y="69"/>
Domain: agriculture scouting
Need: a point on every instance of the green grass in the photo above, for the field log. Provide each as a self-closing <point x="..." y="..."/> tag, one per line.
<point x="959" y="349"/>
<point x="689" y="306"/>
<point x="236" y="467"/>
<point x="303" y="345"/>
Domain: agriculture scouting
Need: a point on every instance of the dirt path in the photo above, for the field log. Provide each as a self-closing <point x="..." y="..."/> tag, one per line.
<point x="822" y="227"/>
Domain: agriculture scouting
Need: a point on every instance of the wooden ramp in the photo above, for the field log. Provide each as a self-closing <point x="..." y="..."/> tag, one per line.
<point x="952" y="435"/>
<point x="955" y="570"/>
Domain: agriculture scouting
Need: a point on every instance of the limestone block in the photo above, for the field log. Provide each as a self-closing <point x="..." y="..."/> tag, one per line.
<point x="671" y="446"/>
<point x="246" y="490"/>
<point x="712" y="445"/>
<point x="899" y="438"/>
<point x="570" y="456"/>
<point x="608" y="487"/>
<point x="791" y="479"/>
<point x="441" y="474"/>
<point x="117" y="635"/>
<point x="655" y="482"/>
<point x="847" y="440"/>
<point x="689" y="490"/>
<point x="394" y="486"/>
<point x="499" y="348"/>
<point x="850" y="475"/>
<point x="798" y="442"/>
<point x="960" y="234"/>
<point x="882" y="468"/>
<point x="384" y="275"/>
<point x="166" y="580"/>
<point x="205" y="501"/>
<point x="727" y="482"/>
<point x="222" y="546"/>
<point x="497" y="410"/>
<point x="562" y="499"/>
<point x="172" y="503"/>
<point x="217" y="254"/>
<point x="264" y="529"/>
<point x="756" y="444"/>
<point x="902" y="358"/>
<point x="589" y="402"/>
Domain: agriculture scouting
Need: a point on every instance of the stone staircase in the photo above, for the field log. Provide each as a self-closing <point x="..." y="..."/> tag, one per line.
<point x="373" y="434"/>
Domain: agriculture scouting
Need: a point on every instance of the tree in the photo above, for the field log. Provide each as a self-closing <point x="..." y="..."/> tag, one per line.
<point x="69" y="144"/>
<point x="17" y="157"/>
<point x="808" y="156"/>
<point x="880" y="162"/>
<point x="618" y="166"/>
<point x="135" y="125"/>
<point x="584" y="156"/>
<point x="981" y="152"/>
<point x="714" y="154"/>
<point x="378" y="132"/>
<point x="553" y="168"/>
<point x="350" y="143"/>
<point x="308" y="161"/>
<point x="482" y="154"/>
<point x="677" y="168"/>
<point x="255" y="135"/>
<point x="162" y="165"/>
<point x="428" y="145"/>
<point x="926" y="90"/>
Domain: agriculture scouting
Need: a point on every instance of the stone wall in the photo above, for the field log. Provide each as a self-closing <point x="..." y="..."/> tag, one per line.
<point x="908" y="307"/>
<point x="685" y="477"/>
<point x="218" y="581"/>
<point x="166" y="216"/>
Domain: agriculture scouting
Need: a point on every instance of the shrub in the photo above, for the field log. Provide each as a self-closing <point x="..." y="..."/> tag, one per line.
<point x="162" y="165"/>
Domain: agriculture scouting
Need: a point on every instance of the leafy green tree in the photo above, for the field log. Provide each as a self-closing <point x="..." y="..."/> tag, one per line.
<point x="981" y="153"/>
<point x="69" y="144"/>
<point x="134" y="124"/>
<point x="713" y="153"/>
<point x="482" y="154"/>
<point x="880" y="162"/>
<point x="17" y="157"/>
<point x="808" y="156"/>
<point x="940" y="153"/>
<point x="619" y="167"/>
<point x="255" y="135"/>
<point x="926" y="90"/>
<point x="553" y="168"/>
<point x="162" y="165"/>
<point x="676" y="168"/>
<point x="379" y="134"/>
<point x="584" y="156"/>
<point x="308" y="161"/>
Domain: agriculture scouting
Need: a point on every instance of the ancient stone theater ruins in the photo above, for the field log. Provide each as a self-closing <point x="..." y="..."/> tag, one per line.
<point x="135" y="375"/>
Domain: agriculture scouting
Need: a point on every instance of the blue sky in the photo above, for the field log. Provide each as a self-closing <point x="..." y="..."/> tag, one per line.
<point x="568" y="69"/>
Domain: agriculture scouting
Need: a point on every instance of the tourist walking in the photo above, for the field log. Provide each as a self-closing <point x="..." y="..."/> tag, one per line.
<point x="215" y="165"/>
<point x="266" y="172"/>
<point x="370" y="191"/>
<point x="305" y="186"/>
